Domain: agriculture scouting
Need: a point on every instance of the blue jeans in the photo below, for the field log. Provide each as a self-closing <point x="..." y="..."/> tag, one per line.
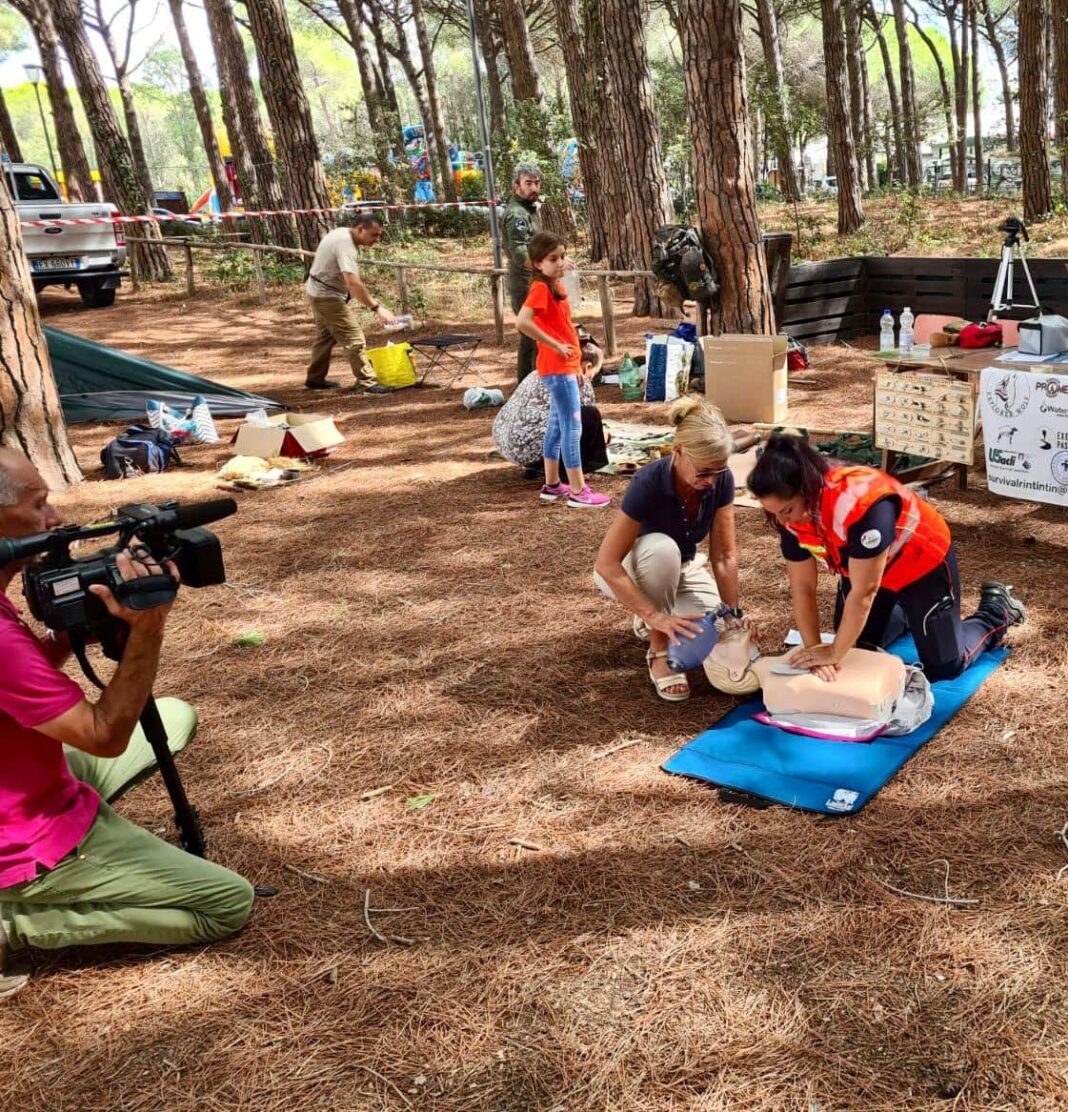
<point x="565" y="421"/>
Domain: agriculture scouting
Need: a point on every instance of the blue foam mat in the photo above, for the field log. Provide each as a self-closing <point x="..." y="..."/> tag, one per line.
<point x="829" y="777"/>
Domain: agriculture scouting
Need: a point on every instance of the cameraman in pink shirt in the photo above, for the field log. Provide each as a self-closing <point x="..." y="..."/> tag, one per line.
<point x="72" y="871"/>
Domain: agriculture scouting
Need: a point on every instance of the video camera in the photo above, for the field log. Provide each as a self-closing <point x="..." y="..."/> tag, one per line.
<point x="57" y="591"/>
<point x="57" y="587"/>
<point x="1014" y="228"/>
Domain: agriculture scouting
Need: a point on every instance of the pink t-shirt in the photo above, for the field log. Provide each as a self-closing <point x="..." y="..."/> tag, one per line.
<point x="44" y="811"/>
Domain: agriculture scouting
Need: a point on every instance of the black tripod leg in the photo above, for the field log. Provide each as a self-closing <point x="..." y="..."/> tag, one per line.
<point x="185" y="815"/>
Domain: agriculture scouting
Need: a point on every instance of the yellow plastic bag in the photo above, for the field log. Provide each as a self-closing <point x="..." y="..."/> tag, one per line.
<point x="393" y="365"/>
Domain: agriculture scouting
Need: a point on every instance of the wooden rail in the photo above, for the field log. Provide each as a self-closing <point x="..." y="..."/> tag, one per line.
<point x="400" y="269"/>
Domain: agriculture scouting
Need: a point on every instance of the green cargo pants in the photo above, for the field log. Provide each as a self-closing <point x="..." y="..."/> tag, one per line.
<point x="121" y="883"/>
<point x="336" y="322"/>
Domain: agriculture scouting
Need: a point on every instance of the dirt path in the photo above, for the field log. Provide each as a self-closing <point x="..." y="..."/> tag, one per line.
<point x="430" y="629"/>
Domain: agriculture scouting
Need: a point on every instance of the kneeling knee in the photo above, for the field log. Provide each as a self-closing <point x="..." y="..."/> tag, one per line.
<point x="944" y="670"/>
<point x="234" y="908"/>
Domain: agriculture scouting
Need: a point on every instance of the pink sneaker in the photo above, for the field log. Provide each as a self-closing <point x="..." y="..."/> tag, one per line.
<point x="554" y="493"/>
<point x="587" y="500"/>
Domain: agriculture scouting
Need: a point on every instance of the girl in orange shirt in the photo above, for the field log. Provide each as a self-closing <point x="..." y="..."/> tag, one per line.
<point x="546" y="318"/>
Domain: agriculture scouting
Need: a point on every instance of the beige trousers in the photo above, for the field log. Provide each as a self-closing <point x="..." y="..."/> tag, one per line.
<point x="671" y="585"/>
<point x="336" y="322"/>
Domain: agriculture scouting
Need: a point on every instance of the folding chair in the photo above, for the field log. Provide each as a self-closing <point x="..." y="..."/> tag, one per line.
<point x="448" y="355"/>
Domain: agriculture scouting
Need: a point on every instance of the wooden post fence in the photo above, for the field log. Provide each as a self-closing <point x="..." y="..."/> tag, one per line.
<point x="400" y="277"/>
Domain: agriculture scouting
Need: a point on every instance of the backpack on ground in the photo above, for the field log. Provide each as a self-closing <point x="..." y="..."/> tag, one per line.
<point x="138" y="451"/>
<point x="680" y="259"/>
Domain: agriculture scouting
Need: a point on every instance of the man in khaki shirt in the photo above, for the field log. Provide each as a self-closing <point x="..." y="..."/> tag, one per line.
<point x="333" y="281"/>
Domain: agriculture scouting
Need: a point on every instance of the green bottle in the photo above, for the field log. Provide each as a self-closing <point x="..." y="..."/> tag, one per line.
<point x="630" y="388"/>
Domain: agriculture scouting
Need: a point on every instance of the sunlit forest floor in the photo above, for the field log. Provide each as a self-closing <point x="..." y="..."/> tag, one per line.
<point x="436" y="678"/>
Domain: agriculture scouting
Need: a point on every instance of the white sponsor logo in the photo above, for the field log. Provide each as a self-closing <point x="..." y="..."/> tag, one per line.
<point x="871" y="538"/>
<point x="844" y="800"/>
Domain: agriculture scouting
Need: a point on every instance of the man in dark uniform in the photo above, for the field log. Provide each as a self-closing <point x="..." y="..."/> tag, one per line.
<point x="519" y="221"/>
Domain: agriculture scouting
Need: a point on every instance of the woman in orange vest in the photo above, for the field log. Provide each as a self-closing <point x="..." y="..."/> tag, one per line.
<point x="894" y="557"/>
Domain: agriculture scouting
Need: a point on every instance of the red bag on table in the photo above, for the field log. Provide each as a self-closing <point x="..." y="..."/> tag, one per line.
<point x="987" y="333"/>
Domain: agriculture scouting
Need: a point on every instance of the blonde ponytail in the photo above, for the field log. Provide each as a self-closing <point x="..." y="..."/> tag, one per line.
<point x="701" y="430"/>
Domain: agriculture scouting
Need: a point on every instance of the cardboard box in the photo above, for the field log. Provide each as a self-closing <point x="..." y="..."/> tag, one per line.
<point x="297" y="435"/>
<point x="745" y="376"/>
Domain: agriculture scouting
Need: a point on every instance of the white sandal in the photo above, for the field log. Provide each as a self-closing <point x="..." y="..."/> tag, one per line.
<point x="662" y="683"/>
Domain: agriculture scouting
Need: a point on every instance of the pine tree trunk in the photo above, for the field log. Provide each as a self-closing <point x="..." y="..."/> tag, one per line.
<point x="402" y="52"/>
<point x="520" y="52"/>
<point x="77" y="174"/>
<point x="780" y="128"/>
<point x="714" y="64"/>
<point x="913" y="162"/>
<point x="585" y="109"/>
<point x="122" y="183"/>
<point x="961" y="97"/>
<point x="303" y="179"/>
<point x="644" y="201"/>
<point x="9" y="141"/>
<point x="1034" y="109"/>
<point x="850" y="204"/>
<point x="29" y="402"/>
<point x="257" y="172"/>
<point x="216" y="166"/>
<point x="437" y="117"/>
<point x="126" y="98"/>
<point x="1060" y="87"/>
<point x="943" y="81"/>
<point x="373" y="93"/>
<point x="977" y="96"/>
<point x="385" y="72"/>
<point x="490" y="48"/>
<point x="859" y="108"/>
<point x="994" y="38"/>
<point x="895" y="166"/>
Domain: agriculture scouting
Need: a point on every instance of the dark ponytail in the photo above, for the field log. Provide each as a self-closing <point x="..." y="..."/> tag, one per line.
<point x="789" y="466"/>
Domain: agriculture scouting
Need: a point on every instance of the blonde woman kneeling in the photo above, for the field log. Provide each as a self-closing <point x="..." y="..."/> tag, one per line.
<point x="649" y="560"/>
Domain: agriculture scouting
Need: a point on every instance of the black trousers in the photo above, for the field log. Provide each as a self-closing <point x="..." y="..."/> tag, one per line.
<point x="592" y="447"/>
<point x="526" y="360"/>
<point x="930" y="608"/>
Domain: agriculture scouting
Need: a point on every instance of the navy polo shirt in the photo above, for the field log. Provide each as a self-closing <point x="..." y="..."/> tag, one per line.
<point x="651" y="500"/>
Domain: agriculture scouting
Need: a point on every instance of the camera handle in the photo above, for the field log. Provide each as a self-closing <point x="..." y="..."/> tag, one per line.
<point x="190" y="832"/>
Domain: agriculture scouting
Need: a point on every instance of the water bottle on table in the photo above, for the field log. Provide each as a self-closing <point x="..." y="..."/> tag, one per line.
<point x="904" y="343"/>
<point x="886" y="331"/>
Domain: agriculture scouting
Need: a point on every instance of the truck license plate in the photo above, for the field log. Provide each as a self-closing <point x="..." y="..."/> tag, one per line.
<point x="54" y="264"/>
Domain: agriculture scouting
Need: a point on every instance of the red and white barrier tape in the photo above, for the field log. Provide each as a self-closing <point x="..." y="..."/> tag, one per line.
<point x="218" y="218"/>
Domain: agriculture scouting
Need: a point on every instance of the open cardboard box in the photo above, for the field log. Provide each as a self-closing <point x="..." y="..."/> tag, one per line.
<point x="745" y="376"/>
<point x="297" y="435"/>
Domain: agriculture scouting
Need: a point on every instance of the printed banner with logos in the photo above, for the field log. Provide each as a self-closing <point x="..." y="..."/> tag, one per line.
<point x="1025" y="430"/>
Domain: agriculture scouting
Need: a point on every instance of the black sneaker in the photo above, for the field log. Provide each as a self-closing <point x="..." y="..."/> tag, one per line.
<point x="993" y="593"/>
<point x="322" y="385"/>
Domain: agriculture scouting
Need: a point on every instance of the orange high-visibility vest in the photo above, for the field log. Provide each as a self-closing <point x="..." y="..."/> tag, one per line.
<point x="922" y="539"/>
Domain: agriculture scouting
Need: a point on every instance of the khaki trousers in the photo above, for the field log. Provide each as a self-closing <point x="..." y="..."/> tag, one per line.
<point x="672" y="586"/>
<point x="122" y="883"/>
<point x="336" y="322"/>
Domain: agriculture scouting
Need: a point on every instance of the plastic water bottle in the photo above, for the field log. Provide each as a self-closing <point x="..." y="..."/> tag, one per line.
<point x="691" y="653"/>
<point x="572" y="283"/>
<point x="886" y="331"/>
<point x="404" y="324"/>
<point x="904" y="342"/>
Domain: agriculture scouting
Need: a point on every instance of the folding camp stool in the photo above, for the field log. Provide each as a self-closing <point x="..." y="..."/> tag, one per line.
<point x="448" y="355"/>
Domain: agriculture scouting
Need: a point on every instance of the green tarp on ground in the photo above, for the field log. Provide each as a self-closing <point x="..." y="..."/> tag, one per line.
<point x="101" y="383"/>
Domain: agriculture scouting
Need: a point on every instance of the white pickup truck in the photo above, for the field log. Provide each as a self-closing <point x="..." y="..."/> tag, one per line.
<point x="89" y="256"/>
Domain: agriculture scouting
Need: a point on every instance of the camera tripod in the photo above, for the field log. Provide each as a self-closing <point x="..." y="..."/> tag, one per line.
<point x="190" y="832"/>
<point x="1011" y="249"/>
